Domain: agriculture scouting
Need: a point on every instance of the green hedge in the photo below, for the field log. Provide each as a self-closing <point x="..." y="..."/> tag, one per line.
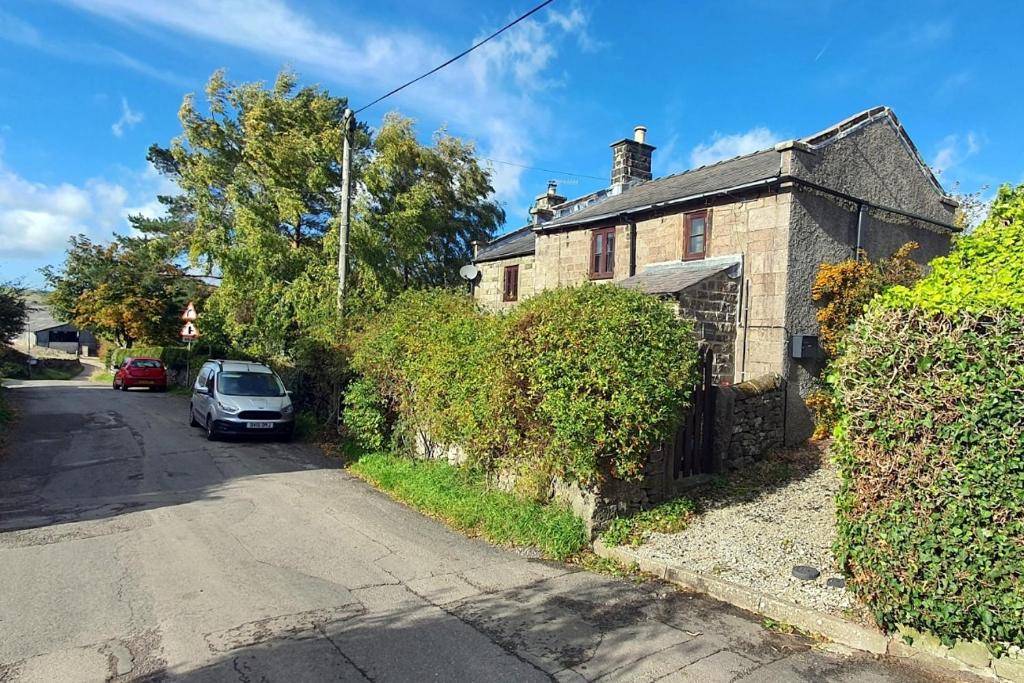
<point x="930" y="447"/>
<point x="576" y="382"/>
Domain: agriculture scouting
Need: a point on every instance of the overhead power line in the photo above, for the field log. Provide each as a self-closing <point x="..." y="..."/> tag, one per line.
<point x="546" y="170"/>
<point x="458" y="56"/>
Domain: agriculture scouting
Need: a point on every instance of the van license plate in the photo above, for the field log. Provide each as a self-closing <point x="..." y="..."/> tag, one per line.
<point x="259" y="425"/>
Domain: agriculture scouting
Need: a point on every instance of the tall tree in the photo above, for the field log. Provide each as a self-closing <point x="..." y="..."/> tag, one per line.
<point x="126" y="290"/>
<point x="420" y="208"/>
<point x="13" y="311"/>
<point x="260" y="181"/>
<point x="259" y="177"/>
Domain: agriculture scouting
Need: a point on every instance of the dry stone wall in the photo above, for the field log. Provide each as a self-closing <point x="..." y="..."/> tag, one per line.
<point x="750" y="420"/>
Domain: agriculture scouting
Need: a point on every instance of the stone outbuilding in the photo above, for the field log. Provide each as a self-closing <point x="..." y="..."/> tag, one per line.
<point x="736" y="244"/>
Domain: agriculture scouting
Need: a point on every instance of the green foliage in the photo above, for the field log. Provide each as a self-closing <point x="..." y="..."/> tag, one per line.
<point x="13" y="311"/>
<point x="259" y="171"/>
<point x="461" y="498"/>
<point x="127" y="290"/>
<point x="13" y="363"/>
<point x="577" y="383"/>
<point x="985" y="270"/>
<point x="667" y="518"/>
<point x="842" y="290"/>
<point x="599" y="375"/>
<point x="366" y="414"/>
<point x="931" y="511"/>
<point x="434" y="357"/>
<point x="420" y="209"/>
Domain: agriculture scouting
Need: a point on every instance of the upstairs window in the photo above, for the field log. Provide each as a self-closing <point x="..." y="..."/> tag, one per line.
<point x="510" y="290"/>
<point x="602" y="253"/>
<point x="695" y="235"/>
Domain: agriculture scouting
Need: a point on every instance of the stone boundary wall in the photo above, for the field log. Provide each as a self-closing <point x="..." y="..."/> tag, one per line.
<point x="750" y="420"/>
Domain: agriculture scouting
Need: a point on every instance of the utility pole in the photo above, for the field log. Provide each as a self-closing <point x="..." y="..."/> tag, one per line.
<point x="348" y="122"/>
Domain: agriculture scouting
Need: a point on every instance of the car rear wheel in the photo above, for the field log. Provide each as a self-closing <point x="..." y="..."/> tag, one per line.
<point x="124" y="386"/>
<point x="211" y="429"/>
<point x="192" y="417"/>
<point x="114" y="385"/>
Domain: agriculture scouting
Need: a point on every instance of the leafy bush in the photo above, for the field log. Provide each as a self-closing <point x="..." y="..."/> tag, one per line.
<point x="843" y="289"/>
<point x="577" y="383"/>
<point x="600" y="374"/>
<point x="365" y="414"/>
<point x="435" y="359"/>
<point x="931" y="510"/>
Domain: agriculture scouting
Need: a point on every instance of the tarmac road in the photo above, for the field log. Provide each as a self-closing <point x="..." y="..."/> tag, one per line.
<point x="133" y="549"/>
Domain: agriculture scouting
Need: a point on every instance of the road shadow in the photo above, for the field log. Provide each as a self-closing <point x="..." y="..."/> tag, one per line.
<point x="607" y="630"/>
<point x="80" y="452"/>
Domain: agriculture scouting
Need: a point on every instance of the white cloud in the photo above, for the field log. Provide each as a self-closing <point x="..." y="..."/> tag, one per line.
<point x="19" y="32"/>
<point x="36" y="219"/>
<point x="954" y="150"/>
<point x="129" y="119"/>
<point x="494" y="94"/>
<point x="727" y="146"/>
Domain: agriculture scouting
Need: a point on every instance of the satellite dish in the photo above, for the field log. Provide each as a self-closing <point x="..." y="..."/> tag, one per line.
<point x="469" y="272"/>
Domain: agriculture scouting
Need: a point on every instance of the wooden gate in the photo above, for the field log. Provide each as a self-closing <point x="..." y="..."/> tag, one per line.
<point x="693" y="446"/>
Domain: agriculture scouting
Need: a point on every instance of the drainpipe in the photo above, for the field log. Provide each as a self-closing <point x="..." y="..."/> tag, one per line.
<point x="745" y="320"/>
<point x="860" y="226"/>
<point x="632" y="247"/>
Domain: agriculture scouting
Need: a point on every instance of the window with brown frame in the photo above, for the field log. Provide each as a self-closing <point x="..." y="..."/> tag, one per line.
<point x="695" y="235"/>
<point x="602" y="253"/>
<point x="510" y="291"/>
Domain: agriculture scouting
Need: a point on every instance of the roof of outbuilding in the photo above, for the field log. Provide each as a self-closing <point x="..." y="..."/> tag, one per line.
<point x="673" y="277"/>
<point x="516" y="243"/>
<point x="736" y="172"/>
<point x="40" y="318"/>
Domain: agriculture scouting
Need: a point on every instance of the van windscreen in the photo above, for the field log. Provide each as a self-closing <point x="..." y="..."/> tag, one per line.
<point x="233" y="383"/>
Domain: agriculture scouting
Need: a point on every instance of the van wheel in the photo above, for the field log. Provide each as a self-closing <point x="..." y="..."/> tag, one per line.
<point x="211" y="429"/>
<point x="192" y="417"/>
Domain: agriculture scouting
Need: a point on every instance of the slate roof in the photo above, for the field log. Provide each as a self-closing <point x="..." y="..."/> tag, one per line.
<point x="516" y="243"/>
<point x="41" y="318"/>
<point x="744" y="170"/>
<point x="673" y="277"/>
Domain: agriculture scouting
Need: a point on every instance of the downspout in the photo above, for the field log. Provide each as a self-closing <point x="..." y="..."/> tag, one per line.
<point x="745" y="315"/>
<point x="860" y="226"/>
<point x="632" y="246"/>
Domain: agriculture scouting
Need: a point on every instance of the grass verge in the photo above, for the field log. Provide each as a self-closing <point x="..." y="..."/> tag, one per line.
<point x="666" y="518"/>
<point x="105" y="377"/>
<point x="461" y="498"/>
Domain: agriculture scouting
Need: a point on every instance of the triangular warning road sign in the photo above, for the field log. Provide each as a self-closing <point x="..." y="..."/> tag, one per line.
<point x="190" y="313"/>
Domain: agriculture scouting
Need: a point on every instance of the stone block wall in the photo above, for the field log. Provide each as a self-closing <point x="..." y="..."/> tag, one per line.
<point x="712" y="305"/>
<point x="750" y="420"/>
<point x="489" y="290"/>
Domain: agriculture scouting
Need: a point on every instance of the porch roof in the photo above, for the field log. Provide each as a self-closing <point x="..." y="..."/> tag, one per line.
<point x="672" y="277"/>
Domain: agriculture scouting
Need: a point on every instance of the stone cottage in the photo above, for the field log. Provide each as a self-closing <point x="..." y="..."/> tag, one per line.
<point x="734" y="244"/>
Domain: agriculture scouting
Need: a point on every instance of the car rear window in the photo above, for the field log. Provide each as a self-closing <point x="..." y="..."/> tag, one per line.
<point x="250" y="384"/>
<point x="147" y="364"/>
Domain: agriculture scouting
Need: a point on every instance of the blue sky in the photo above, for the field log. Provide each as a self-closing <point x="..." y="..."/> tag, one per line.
<point x="87" y="85"/>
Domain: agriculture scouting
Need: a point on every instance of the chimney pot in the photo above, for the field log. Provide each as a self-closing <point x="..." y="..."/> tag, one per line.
<point x="552" y="187"/>
<point x="640" y="134"/>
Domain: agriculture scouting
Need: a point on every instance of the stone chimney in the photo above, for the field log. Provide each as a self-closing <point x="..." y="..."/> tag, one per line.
<point x="631" y="160"/>
<point x="543" y="205"/>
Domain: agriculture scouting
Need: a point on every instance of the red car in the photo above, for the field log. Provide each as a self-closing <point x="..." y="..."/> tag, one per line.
<point x="141" y="372"/>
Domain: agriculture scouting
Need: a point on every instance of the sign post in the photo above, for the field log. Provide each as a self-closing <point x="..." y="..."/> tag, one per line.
<point x="189" y="332"/>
